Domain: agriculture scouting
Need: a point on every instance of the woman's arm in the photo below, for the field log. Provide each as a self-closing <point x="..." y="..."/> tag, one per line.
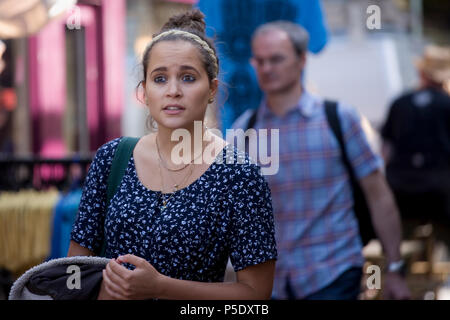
<point x="76" y="250"/>
<point x="144" y="282"/>
<point x="253" y="283"/>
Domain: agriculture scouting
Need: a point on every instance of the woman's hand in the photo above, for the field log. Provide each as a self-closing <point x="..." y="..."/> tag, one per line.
<point x="103" y="294"/>
<point x="123" y="284"/>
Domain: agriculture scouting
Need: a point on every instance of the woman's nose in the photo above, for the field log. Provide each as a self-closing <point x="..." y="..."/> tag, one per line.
<point x="173" y="89"/>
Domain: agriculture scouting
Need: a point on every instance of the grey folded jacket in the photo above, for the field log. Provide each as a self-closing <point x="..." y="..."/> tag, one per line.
<point x="58" y="280"/>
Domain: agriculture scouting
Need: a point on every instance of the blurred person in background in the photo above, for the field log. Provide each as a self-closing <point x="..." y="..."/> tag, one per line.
<point x="7" y="99"/>
<point x="319" y="245"/>
<point x="2" y="51"/>
<point x="416" y="146"/>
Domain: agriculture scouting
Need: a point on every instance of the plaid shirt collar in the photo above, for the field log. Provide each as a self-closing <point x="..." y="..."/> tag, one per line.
<point x="306" y="106"/>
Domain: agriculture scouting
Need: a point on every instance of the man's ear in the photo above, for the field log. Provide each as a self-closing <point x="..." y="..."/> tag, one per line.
<point x="303" y="60"/>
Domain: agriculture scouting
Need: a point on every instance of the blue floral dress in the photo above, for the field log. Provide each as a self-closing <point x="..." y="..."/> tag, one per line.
<point x="226" y="213"/>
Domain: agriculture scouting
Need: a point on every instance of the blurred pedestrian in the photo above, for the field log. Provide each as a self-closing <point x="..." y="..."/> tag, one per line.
<point x="8" y="100"/>
<point x="319" y="245"/>
<point x="178" y="224"/>
<point x="416" y="145"/>
<point x="2" y="51"/>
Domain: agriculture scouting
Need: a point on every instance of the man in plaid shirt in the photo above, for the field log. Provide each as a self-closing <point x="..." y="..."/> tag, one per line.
<point x="319" y="247"/>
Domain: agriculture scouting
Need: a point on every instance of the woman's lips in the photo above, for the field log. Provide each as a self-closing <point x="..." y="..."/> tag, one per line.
<point x="173" y="109"/>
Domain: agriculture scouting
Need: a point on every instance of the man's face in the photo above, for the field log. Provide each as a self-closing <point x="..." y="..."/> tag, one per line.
<point x="278" y="66"/>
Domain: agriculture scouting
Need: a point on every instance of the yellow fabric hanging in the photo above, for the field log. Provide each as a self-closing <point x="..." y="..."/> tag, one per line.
<point x="25" y="227"/>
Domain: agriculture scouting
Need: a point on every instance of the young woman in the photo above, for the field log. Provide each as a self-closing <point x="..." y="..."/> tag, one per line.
<point x="170" y="228"/>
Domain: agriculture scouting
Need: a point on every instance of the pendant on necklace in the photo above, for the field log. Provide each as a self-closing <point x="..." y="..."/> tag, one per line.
<point x="163" y="207"/>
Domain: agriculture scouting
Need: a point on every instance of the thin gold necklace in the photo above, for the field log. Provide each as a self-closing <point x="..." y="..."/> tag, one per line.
<point x="165" y="201"/>
<point x="163" y="162"/>
<point x="160" y="162"/>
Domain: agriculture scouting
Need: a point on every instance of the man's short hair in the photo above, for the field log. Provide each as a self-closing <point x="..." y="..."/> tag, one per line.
<point x="297" y="34"/>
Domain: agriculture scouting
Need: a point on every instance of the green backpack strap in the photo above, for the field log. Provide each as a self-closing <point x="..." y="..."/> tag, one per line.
<point x="119" y="165"/>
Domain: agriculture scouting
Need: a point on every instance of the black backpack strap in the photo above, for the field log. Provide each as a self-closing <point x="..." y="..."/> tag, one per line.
<point x="361" y="208"/>
<point x="119" y="165"/>
<point x="252" y="120"/>
<point x="335" y="124"/>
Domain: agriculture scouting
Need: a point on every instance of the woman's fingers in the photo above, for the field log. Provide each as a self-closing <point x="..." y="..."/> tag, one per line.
<point x="126" y="284"/>
<point x="112" y="288"/>
<point x="131" y="259"/>
<point x="119" y="274"/>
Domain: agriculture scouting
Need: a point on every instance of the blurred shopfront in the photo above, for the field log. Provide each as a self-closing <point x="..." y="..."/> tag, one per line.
<point x="68" y="78"/>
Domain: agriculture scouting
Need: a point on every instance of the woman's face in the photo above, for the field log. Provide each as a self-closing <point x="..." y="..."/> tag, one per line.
<point x="177" y="87"/>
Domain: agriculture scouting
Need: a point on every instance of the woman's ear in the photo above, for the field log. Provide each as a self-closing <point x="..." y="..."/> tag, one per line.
<point x="213" y="88"/>
<point x="144" y="95"/>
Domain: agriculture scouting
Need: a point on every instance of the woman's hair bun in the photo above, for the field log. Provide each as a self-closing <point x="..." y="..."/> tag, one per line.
<point x="193" y="20"/>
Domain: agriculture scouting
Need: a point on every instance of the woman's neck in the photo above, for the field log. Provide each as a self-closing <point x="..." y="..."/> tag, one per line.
<point x="188" y="143"/>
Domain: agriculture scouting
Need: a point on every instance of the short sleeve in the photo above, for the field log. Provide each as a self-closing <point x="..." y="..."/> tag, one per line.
<point x="363" y="158"/>
<point x="87" y="229"/>
<point x="252" y="234"/>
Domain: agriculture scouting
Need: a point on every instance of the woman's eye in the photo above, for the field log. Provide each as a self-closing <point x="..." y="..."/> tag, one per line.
<point x="159" y="79"/>
<point x="188" y="78"/>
